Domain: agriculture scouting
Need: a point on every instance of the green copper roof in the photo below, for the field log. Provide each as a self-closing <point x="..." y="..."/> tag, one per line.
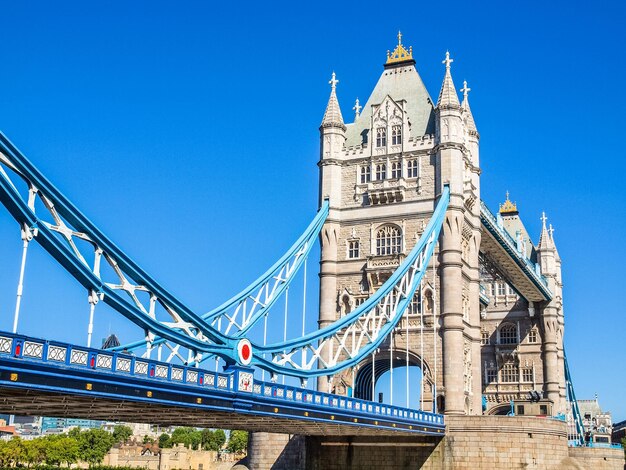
<point x="400" y="83"/>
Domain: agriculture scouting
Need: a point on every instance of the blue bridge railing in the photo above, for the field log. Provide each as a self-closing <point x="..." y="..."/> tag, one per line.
<point x="238" y="381"/>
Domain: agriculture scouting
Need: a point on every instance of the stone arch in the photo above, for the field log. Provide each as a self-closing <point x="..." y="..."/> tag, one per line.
<point x="382" y="364"/>
<point x="500" y="410"/>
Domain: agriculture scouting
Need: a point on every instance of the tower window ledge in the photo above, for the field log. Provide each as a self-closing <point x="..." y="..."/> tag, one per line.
<point x="385" y="196"/>
<point x="380" y="268"/>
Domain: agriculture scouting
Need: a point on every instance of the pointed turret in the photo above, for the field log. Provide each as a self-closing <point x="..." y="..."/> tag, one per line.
<point x="332" y="116"/>
<point x="465" y="108"/>
<point x="447" y="96"/>
<point x="545" y="240"/>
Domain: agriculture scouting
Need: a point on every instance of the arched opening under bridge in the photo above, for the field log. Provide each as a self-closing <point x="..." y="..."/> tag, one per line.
<point x="380" y="369"/>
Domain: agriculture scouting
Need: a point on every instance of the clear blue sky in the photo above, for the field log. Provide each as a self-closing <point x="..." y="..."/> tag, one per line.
<point x="187" y="131"/>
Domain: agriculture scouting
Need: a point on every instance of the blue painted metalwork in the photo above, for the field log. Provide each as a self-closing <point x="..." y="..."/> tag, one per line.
<point x="197" y="333"/>
<point x="301" y="247"/>
<point x="24" y="359"/>
<point x="424" y="248"/>
<point x="506" y="241"/>
<point x="577" y="416"/>
<point x="25" y="215"/>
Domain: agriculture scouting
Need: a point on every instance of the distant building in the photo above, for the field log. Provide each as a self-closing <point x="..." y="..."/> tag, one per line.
<point x="619" y="432"/>
<point x="598" y="424"/>
<point x="58" y="425"/>
<point x="7" y="432"/>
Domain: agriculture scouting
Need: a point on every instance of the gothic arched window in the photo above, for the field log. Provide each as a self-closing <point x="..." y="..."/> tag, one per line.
<point x="366" y="174"/>
<point x="414" y="306"/>
<point x="508" y="334"/>
<point x="396" y="170"/>
<point x="509" y="373"/>
<point x="381" y="137"/>
<point x="396" y="135"/>
<point x="381" y="171"/>
<point x="388" y="240"/>
<point x="353" y="249"/>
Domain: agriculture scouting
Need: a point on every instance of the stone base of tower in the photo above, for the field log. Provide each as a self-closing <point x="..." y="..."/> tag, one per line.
<point x="471" y="442"/>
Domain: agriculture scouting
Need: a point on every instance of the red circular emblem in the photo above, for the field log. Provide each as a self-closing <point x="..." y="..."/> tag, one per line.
<point x="244" y="351"/>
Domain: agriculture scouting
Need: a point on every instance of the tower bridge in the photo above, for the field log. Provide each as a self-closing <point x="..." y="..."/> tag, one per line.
<point x="415" y="270"/>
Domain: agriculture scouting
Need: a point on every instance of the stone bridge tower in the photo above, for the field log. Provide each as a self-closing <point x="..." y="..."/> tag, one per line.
<point x="383" y="174"/>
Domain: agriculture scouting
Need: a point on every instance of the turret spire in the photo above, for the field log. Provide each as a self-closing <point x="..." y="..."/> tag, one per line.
<point x="332" y="116"/>
<point x="545" y="240"/>
<point x="465" y="107"/>
<point x="447" y="96"/>
<point x="357" y="109"/>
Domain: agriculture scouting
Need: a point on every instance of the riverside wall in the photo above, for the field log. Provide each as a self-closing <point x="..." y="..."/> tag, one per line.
<point x="471" y="442"/>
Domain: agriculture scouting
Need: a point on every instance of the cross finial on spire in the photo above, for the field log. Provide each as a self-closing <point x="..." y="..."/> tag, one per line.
<point x="333" y="82"/>
<point x="447" y="60"/>
<point x="543" y="218"/>
<point x="507" y="194"/>
<point x="551" y="231"/>
<point x="465" y="90"/>
<point x="399" y="38"/>
<point x="357" y="108"/>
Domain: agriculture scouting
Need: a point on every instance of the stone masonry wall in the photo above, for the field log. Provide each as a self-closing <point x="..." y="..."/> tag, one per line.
<point x="471" y="442"/>
<point x="605" y="459"/>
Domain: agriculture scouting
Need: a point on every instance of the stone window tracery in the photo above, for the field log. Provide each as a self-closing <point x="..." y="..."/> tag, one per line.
<point x="532" y="336"/>
<point x="508" y="334"/>
<point x="366" y="174"/>
<point x="388" y="240"/>
<point x="353" y="249"/>
<point x="412" y="169"/>
<point x="509" y="373"/>
<point x="396" y="135"/>
<point x="381" y="171"/>
<point x="414" y="306"/>
<point x="527" y="374"/>
<point x="491" y="376"/>
<point x="484" y="337"/>
<point x="396" y="170"/>
<point x="381" y="137"/>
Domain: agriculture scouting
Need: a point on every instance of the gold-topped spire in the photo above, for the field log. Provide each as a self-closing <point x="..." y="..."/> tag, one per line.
<point x="508" y="207"/>
<point x="400" y="54"/>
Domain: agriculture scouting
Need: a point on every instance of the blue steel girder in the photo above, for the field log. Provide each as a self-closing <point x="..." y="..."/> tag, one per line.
<point x="68" y="228"/>
<point x="344" y="343"/>
<point x="238" y="315"/>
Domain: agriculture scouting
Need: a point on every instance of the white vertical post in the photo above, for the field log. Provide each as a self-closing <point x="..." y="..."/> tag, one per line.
<point x="93" y="300"/>
<point x="285" y="325"/>
<point x="304" y="313"/>
<point x="435" y="333"/>
<point x="27" y="236"/>
<point x="373" y="375"/>
<point x="406" y="330"/>
<point x="391" y="367"/>
<point x="264" y="343"/>
<point x="421" y="307"/>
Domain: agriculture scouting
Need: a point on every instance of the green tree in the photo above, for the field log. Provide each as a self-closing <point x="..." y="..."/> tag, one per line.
<point x="165" y="441"/>
<point x="238" y="441"/>
<point x="35" y="451"/>
<point x="213" y="440"/>
<point x="148" y="440"/>
<point x="93" y="445"/>
<point x="61" y="449"/>
<point x="122" y="433"/>
<point x="189" y="437"/>
<point x="15" y="451"/>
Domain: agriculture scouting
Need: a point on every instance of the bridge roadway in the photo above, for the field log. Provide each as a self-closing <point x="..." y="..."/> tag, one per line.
<point x="49" y="378"/>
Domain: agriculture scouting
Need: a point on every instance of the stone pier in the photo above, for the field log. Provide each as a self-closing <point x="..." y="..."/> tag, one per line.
<point x="471" y="442"/>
